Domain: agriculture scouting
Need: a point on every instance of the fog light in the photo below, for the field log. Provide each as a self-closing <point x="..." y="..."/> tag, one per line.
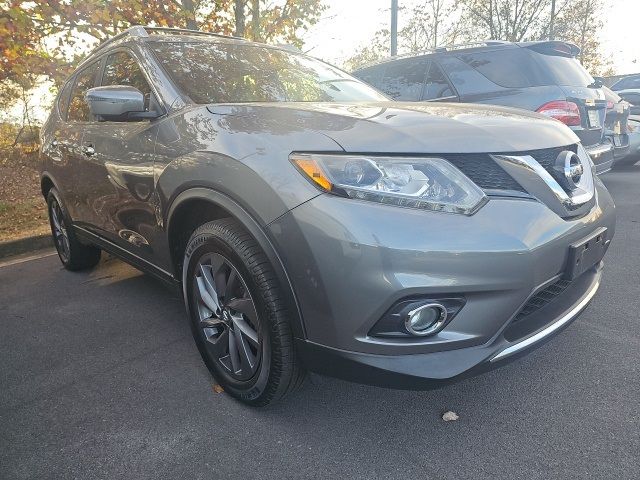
<point x="426" y="319"/>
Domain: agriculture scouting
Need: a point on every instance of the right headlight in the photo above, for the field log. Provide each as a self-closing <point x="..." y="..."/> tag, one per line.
<point x="428" y="183"/>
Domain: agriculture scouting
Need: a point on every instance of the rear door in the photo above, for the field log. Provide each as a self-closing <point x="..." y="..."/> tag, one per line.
<point x="119" y="165"/>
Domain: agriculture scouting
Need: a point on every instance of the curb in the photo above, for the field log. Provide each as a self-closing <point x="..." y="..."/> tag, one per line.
<point x="25" y="245"/>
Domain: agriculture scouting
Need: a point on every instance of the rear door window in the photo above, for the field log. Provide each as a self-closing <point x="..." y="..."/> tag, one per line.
<point x="122" y="69"/>
<point x="78" y="107"/>
<point x="371" y="75"/>
<point x="404" y="79"/>
<point x="436" y="85"/>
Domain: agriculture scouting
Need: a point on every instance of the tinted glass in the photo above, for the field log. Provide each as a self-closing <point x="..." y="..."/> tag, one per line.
<point x="629" y="82"/>
<point x="122" y="69"/>
<point x="63" y="100"/>
<point x="436" y="85"/>
<point x="78" y="107"/>
<point x="512" y="68"/>
<point x="465" y="79"/>
<point x="371" y="75"/>
<point x="217" y="73"/>
<point x="404" y="79"/>
<point x="564" y="70"/>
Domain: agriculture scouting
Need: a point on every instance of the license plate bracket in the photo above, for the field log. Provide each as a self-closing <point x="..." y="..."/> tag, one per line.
<point x="585" y="253"/>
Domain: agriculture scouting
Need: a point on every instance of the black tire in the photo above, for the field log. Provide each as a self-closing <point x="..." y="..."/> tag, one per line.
<point x="278" y="371"/>
<point x="73" y="254"/>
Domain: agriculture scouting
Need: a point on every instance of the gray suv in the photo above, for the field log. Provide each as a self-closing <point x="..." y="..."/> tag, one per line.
<point x="314" y="225"/>
<point x="544" y="77"/>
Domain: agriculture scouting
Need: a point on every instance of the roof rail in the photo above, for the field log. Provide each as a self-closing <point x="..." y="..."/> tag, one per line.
<point x="185" y="31"/>
<point x="141" y="31"/>
<point x="444" y="48"/>
<point x="135" y="31"/>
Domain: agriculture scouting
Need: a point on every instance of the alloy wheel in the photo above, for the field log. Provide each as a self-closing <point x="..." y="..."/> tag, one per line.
<point x="60" y="234"/>
<point x="227" y="316"/>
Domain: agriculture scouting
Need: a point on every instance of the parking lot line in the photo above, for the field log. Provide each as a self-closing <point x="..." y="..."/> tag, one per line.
<point x="23" y="259"/>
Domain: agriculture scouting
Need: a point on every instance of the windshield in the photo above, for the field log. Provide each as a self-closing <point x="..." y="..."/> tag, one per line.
<point x="230" y="73"/>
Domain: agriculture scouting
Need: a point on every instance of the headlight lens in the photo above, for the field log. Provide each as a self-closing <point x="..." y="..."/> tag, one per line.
<point x="429" y="183"/>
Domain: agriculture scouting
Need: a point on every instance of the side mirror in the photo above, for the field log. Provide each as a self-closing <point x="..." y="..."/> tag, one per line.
<point x="117" y="102"/>
<point x="598" y="82"/>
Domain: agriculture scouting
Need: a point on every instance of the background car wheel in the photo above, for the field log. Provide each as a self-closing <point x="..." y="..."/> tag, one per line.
<point x="237" y="313"/>
<point x="73" y="254"/>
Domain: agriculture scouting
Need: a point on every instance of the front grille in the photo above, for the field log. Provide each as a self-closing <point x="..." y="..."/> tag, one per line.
<point x="488" y="175"/>
<point x="547" y="158"/>
<point x="542" y="298"/>
<point x="484" y="171"/>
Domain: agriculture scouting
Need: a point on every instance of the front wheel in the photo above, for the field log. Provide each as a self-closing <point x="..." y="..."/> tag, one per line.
<point x="237" y="314"/>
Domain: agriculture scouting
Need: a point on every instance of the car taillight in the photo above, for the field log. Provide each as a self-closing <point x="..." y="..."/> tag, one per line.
<point x="609" y="105"/>
<point x="567" y="112"/>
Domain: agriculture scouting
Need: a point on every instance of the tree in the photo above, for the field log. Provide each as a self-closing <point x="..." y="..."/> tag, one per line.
<point x="430" y="24"/>
<point x="511" y="20"/>
<point x="580" y="23"/>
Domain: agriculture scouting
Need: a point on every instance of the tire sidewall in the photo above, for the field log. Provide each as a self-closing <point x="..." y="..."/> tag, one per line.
<point x="208" y="242"/>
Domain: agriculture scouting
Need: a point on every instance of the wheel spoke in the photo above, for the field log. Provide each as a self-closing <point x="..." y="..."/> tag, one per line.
<point x="233" y="354"/>
<point x="244" y="306"/>
<point x="54" y="217"/>
<point x="247" y="330"/>
<point x="219" y="346"/>
<point x="209" y="286"/>
<point x="205" y="297"/>
<point x="247" y="359"/>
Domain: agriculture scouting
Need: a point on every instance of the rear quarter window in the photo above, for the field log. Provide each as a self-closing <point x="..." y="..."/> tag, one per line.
<point x="510" y="68"/>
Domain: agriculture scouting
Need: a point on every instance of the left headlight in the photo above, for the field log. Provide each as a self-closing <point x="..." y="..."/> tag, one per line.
<point x="429" y="183"/>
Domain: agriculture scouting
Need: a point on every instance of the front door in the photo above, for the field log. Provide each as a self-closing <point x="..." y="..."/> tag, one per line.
<point x="119" y="166"/>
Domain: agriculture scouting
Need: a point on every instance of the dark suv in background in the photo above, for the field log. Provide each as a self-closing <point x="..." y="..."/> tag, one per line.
<point x="540" y="76"/>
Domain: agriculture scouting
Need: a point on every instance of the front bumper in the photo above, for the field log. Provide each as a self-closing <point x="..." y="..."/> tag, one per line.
<point x="349" y="261"/>
<point x="432" y="370"/>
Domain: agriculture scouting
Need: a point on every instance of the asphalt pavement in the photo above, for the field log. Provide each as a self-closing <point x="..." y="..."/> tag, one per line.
<point x="100" y="378"/>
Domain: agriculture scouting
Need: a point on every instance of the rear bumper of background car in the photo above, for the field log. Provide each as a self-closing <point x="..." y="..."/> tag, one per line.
<point x="602" y="156"/>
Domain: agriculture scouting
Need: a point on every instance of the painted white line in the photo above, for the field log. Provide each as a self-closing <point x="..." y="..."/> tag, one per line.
<point x="16" y="261"/>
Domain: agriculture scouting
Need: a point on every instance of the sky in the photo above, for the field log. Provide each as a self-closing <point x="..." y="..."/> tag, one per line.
<point x="349" y="24"/>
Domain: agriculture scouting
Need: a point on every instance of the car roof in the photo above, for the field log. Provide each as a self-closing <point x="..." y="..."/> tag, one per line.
<point x="483" y="46"/>
<point x="144" y="34"/>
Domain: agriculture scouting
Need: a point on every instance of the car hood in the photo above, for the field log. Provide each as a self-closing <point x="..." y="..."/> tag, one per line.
<point x="404" y="127"/>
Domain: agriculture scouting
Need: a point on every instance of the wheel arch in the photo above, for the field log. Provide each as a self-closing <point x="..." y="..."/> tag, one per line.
<point x="47" y="182"/>
<point x="187" y="210"/>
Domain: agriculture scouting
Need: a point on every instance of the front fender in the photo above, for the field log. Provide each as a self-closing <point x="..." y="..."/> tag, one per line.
<point x="256" y="230"/>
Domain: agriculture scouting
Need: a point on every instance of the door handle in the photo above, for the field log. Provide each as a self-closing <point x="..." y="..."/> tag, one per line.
<point x="88" y="150"/>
